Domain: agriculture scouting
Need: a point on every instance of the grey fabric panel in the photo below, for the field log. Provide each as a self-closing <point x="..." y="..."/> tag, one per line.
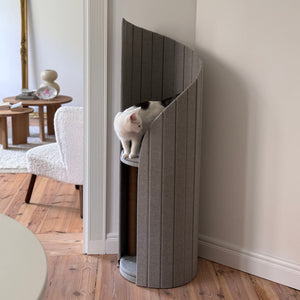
<point x="157" y="66"/>
<point x="136" y="65"/>
<point x="127" y="63"/>
<point x="142" y="213"/>
<point x="155" y="179"/>
<point x="168" y="171"/>
<point x="190" y="172"/>
<point x="195" y="66"/>
<point x="180" y="180"/>
<point x="178" y="68"/>
<point x="188" y="56"/>
<point x="168" y="71"/>
<point x="146" y="65"/>
<point x="197" y="169"/>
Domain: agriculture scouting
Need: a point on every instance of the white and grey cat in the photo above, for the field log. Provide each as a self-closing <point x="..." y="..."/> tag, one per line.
<point x="131" y="124"/>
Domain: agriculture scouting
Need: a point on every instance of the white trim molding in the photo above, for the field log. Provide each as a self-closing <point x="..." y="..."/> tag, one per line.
<point x="274" y="269"/>
<point x="109" y="246"/>
<point x="95" y="91"/>
<point x="112" y="243"/>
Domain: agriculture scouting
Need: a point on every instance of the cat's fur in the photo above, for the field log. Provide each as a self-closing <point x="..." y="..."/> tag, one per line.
<point x="131" y="124"/>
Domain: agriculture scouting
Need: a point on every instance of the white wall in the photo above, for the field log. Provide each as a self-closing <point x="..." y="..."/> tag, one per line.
<point x="175" y="19"/>
<point x="55" y="42"/>
<point x="250" y="200"/>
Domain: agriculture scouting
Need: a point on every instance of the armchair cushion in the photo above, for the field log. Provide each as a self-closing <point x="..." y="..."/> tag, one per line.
<point x="46" y="161"/>
<point x="62" y="160"/>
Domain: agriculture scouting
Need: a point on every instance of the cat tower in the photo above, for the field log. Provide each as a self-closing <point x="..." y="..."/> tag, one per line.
<point x="159" y="191"/>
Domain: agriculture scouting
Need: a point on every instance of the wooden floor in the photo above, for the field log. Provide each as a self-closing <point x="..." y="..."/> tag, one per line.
<point x="53" y="216"/>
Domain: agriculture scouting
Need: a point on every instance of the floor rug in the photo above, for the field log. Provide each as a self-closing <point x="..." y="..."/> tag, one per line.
<point x="13" y="159"/>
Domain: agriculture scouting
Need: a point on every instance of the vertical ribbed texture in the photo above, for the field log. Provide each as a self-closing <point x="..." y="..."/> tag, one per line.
<point x="188" y="56"/>
<point x="180" y="189"/>
<point x="189" y="185"/>
<point x="146" y="65"/>
<point x="178" y="68"/>
<point x="136" y="66"/>
<point x="168" y="192"/>
<point x="169" y="67"/>
<point x="143" y="213"/>
<point x="155" y="67"/>
<point x="154" y="221"/>
<point x="198" y="130"/>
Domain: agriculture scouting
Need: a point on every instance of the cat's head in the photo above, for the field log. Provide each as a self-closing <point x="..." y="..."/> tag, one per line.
<point x="133" y="122"/>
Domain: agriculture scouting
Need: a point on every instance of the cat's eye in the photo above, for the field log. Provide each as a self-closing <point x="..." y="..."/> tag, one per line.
<point x="139" y="125"/>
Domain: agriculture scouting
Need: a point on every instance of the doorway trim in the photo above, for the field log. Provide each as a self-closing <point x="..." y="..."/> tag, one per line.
<point x="95" y="125"/>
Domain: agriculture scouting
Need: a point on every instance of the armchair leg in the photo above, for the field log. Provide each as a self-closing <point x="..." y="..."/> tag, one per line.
<point x="30" y="188"/>
<point x="81" y="200"/>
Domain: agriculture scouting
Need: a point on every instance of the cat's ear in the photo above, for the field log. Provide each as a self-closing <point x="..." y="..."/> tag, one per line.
<point x="132" y="116"/>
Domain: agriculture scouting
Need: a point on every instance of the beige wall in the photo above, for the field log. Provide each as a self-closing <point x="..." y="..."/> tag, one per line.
<point x="250" y="186"/>
<point x="174" y="18"/>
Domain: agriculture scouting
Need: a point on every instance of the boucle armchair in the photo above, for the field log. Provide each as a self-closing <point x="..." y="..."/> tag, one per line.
<point x="63" y="160"/>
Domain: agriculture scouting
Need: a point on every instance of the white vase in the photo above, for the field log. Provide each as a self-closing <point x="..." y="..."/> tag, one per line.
<point x="49" y="76"/>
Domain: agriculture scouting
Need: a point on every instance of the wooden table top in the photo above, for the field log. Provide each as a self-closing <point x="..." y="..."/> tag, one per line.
<point x="9" y="113"/>
<point x="60" y="99"/>
<point x="23" y="262"/>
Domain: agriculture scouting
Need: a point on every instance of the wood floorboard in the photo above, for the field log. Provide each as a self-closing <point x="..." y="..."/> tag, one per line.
<point x="53" y="215"/>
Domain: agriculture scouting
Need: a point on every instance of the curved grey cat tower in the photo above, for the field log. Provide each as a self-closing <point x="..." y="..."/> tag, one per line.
<point x="159" y="192"/>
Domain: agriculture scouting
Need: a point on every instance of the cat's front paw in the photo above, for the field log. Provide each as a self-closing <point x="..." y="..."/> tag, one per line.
<point x="125" y="155"/>
<point x="132" y="155"/>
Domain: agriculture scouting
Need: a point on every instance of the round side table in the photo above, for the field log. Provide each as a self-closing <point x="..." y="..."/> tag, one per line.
<point x="52" y="105"/>
<point x="20" y="123"/>
<point x="23" y="262"/>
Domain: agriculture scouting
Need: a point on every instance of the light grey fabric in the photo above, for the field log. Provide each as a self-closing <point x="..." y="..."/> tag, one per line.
<point x="155" y="67"/>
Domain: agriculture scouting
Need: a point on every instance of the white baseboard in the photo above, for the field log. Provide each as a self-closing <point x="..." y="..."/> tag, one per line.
<point x="264" y="266"/>
<point x="108" y="246"/>
<point x="94" y="247"/>
<point x="268" y="267"/>
<point x="112" y="243"/>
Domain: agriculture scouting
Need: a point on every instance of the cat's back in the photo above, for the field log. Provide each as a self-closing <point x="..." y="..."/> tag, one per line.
<point x="150" y="110"/>
<point x="118" y="120"/>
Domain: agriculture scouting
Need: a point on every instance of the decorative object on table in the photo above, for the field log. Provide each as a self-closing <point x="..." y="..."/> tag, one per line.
<point x="27" y="95"/>
<point x="49" y="76"/>
<point x="4" y="106"/>
<point x="46" y="92"/>
<point x="17" y="107"/>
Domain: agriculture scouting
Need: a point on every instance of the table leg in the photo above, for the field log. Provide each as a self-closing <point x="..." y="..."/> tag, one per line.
<point x="51" y="109"/>
<point x="3" y="132"/>
<point x="19" y="129"/>
<point x="27" y="122"/>
<point x="41" y="122"/>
